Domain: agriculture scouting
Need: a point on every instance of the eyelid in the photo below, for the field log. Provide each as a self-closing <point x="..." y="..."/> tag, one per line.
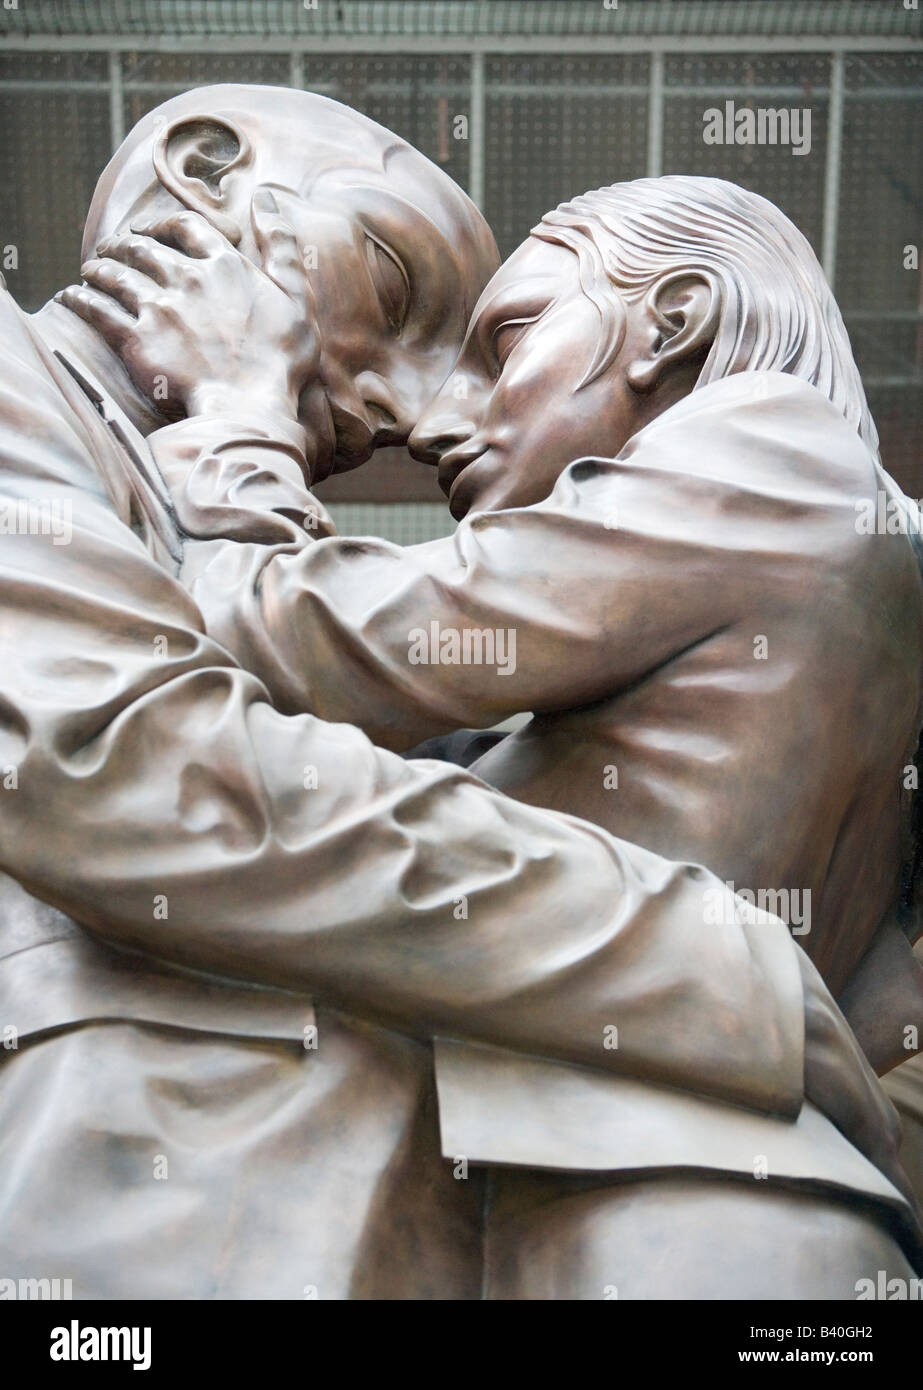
<point x="392" y="256"/>
<point x="520" y="322"/>
<point x="373" y="242"/>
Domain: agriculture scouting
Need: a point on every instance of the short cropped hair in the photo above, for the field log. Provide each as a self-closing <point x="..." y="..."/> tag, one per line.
<point x="777" y="311"/>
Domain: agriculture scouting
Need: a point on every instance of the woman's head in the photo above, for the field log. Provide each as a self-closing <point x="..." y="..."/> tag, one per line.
<point x="620" y="303"/>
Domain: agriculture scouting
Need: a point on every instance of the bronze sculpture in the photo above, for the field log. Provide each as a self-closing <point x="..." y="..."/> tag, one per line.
<point x="434" y="907"/>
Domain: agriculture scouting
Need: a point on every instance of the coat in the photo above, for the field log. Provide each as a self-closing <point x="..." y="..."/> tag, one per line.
<point x="190" y="874"/>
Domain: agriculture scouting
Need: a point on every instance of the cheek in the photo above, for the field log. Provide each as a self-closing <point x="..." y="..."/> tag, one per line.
<point x="559" y="418"/>
<point x="351" y="339"/>
<point x="545" y="369"/>
<point x="540" y="415"/>
<point x="344" y="301"/>
<point x="423" y="373"/>
<point x="607" y="417"/>
<point x="524" y="404"/>
<point x="576" y="431"/>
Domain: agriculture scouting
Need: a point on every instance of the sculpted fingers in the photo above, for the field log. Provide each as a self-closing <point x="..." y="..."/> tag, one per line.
<point x="188" y="232"/>
<point x="100" y="312"/>
<point x="129" y="287"/>
<point x="142" y="253"/>
<point x="280" y="254"/>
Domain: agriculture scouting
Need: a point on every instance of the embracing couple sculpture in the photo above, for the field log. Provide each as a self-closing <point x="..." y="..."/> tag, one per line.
<point x="288" y="1014"/>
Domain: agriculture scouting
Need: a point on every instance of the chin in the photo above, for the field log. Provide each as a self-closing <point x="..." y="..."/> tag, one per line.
<point x="487" y="498"/>
<point x="476" y="491"/>
<point x="345" y="463"/>
<point x="465" y="499"/>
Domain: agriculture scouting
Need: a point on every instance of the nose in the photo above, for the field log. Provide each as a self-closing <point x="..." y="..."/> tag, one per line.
<point x="392" y="406"/>
<point x="440" y="428"/>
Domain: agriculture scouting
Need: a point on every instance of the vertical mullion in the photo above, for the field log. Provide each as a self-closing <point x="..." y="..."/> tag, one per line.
<point x="116" y="102"/>
<point x="655" y="117"/>
<point x="476" y="132"/>
<point x="834" y="159"/>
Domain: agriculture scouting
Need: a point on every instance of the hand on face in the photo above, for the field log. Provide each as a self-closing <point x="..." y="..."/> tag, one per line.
<point x="199" y="326"/>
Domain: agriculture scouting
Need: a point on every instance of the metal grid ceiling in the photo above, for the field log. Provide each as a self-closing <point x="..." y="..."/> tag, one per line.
<point x="457" y="18"/>
<point x="553" y="124"/>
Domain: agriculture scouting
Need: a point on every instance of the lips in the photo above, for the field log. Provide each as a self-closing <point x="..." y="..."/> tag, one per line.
<point x="453" y="464"/>
<point x="314" y="414"/>
<point x="355" y="441"/>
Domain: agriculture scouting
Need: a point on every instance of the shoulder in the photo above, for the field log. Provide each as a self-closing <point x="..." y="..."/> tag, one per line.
<point x="41" y="437"/>
<point x="760" y="448"/>
<point x="755" y="464"/>
<point x="764" y="428"/>
<point x="24" y="356"/>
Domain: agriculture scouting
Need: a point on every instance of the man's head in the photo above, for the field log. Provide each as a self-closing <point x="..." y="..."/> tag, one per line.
<point x="397" y="254"/>
<point x="618" y="305"/>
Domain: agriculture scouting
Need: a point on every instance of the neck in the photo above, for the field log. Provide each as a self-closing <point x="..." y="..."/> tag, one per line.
<point x="61" y="329"/>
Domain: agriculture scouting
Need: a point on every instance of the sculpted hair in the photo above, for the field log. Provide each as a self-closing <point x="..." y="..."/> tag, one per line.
<point x="777" y="311"/>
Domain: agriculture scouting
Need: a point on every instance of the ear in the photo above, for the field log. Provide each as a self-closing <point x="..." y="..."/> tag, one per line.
<point x="680" y="316"/>
<point x="193" y="157"/>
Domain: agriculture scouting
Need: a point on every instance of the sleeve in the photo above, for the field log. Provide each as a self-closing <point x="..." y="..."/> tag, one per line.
<point x="241" y="477"/>
<point x="534" y="609"/>
<point x="151" y="790"/>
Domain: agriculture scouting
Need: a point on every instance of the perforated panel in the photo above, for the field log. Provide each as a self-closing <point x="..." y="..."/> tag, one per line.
<point x="880" y="215"/>
<point x="54" y="139"/>
<point x="419" y="98"/>
<point x="554" y="124"/>
<point x="699" y="83"/>
<point x="403" y="523"/>
<point x="150" y="78"/>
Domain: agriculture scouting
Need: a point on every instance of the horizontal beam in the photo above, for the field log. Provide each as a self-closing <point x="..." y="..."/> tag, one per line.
<point x="884" y="315"/>
<point x="595" y="44"/>
<point x="571" y="90"/>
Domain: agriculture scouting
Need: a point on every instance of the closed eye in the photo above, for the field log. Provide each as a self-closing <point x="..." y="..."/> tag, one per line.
<point x="508" y="334"/>
<point x="390" y="280"/>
